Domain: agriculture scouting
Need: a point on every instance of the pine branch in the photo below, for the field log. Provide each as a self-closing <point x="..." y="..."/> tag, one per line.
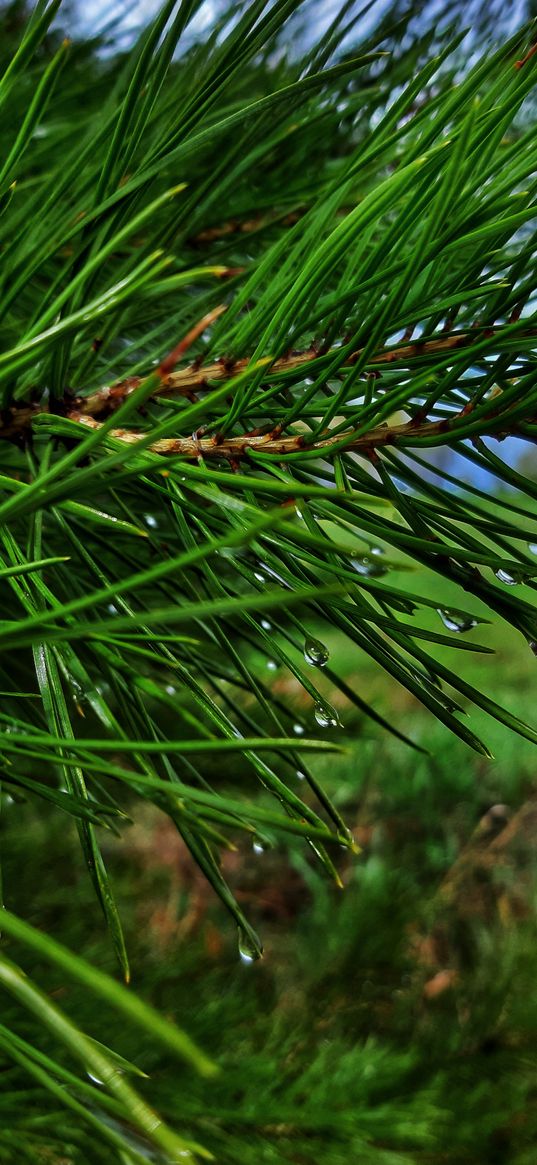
<point x="235" y="448"/>
<point x="195" y="378"/>
<point x="362" y="198"/>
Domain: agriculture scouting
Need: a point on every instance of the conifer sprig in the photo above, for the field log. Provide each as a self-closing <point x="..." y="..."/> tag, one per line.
<point x="241" y="293"/>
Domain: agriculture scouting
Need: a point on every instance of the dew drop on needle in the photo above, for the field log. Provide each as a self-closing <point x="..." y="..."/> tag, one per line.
<point x="369" y="567"/>
<point x="510" y="579"/>
<point x="315" y="652"/>
<point x="454" y="621"/>
<point x="326" y="716"/>
<point x="248" y="951"/>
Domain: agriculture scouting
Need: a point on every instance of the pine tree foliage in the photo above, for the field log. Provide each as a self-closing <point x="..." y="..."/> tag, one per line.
<point x="244" y="292"/>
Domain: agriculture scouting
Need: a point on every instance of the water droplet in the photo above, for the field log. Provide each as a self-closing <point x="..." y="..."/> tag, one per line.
<point x="95" y="1079"/>
<point x="315" y="652"/>
<point x="510" y="579"/>
<point x="377" y="550"/>
<point x="369" y="567"/>
<point x="248" y="950"/>
<point x="272" y="665"/>
<point x="112" y="609"/>
<point x="151" y="521"/>
<point x="326" y="716"/>
<point x="298" y="730"/>
<point x="259" y="576"/>
<point x="350" y="838"/>
<point x="300" y="776"/>
<point x="454" y="621"/>
<point x="170" y="689"/>
<point x="300" y="515"/>
<point x="532" y="547"/>
<point x="258" y="847"/>
<point x="532" y="646"/>
<point x="266" y="625"/>
<point x="274" y="574"/>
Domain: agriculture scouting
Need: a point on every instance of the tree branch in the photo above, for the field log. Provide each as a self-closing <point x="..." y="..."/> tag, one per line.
<point x="200" y="378"/>
<point x="235" y="448"/>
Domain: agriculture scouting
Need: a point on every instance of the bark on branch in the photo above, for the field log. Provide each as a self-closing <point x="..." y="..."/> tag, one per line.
<point x="197" y="378"/>
<point x="233" y="449"/>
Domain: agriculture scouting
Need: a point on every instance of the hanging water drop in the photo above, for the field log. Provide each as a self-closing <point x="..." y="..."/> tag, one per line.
<point x="532" y="547"/>
<point x="298" y="730"/>
<point x="77" y="690"/>
<point x="259" y="576"/>
<point x="326" y="716"/>
<point x="300" y="776"/>
<point x="274" y="574"/>
<point x="248" y="950"/>
<point x="151" y="521"/>
<point x="352" y="844"/>
<point x="258" y="846"/>
<point x="315" y="652"/>
<point x="532" y="646"/>
<point x="95" y="1079"/>
<point x="454" y="621"/>
<point x="509" y="579"/>
<point x="377" y="550"/>
<point x="266" y="625"/>
<point x="272" y="665"/>
<point x="369" y="567"/>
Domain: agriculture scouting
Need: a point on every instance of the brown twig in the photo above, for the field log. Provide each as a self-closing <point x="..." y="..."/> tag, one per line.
<point x="201" y="378"/>
<point x="197" y="378"/>
<point x="530" y="53"/>
<point x="233" y="449"/>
